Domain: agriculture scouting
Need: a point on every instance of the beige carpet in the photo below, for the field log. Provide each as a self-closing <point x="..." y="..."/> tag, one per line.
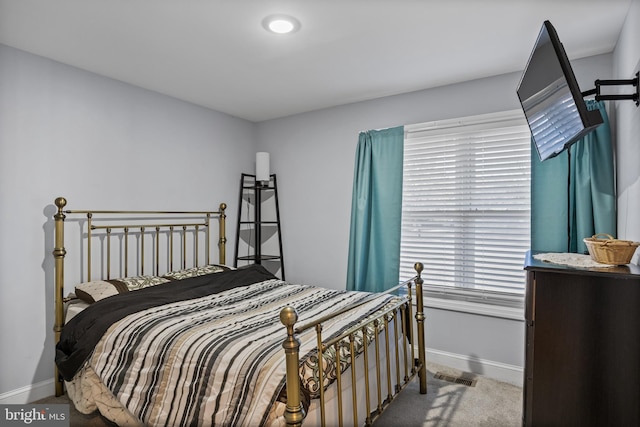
<point x="77" y="419"/>
<point x="488" y="403"/>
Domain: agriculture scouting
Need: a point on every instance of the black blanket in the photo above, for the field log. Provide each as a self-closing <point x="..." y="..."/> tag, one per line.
<point x="82" y="333"/>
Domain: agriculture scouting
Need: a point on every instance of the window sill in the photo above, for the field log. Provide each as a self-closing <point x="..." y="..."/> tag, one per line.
<point x="480" y="302"/>
<point x="472" y="307"/>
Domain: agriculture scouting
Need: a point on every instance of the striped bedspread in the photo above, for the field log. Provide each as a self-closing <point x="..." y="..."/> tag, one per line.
<point x="215" y="359"/>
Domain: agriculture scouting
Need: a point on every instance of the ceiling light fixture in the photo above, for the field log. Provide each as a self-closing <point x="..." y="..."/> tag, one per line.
<point x="281" y="24"/>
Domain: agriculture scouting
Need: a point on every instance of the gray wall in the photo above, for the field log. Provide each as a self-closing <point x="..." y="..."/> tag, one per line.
<point x="101" y="144"/>
<point x="627" y="127"/>
<point x="313" y="155"/>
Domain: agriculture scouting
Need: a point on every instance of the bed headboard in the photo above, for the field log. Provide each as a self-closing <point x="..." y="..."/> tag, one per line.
<point x="115" y="244"/>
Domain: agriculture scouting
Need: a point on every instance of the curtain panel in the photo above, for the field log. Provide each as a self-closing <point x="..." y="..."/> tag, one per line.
<point x="573" y="194"/>
<point x="376" y="211"/>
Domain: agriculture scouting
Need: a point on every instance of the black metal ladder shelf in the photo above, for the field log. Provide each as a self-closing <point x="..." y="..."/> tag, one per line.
<point x="259" y="224"/>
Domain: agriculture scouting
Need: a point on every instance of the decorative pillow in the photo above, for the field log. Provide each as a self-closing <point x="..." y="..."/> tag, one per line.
<point x="196" y="271"/>
<point x="138" y="282"/>
<point x="96" y="290"/>
<point x="100" y="289"/>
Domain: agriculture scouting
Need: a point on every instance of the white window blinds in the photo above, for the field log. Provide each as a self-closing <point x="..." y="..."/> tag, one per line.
<point x="466" y="204"/>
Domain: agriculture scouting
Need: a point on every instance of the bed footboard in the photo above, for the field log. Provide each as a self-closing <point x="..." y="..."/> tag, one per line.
<point x="396" y="320"/>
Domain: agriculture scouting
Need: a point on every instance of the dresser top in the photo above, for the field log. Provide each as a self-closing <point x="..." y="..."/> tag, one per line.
<point x="631" y="271"/>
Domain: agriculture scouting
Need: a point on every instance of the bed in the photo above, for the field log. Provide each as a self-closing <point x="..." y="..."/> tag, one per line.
<point x="155" y="333"/>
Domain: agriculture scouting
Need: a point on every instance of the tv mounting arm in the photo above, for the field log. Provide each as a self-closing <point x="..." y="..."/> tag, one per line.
<point x="632" y="96"/>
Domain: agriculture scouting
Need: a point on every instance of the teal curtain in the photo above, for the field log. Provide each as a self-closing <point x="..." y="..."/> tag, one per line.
<point x="573" y="194"/>
<point x="376" y="211"/>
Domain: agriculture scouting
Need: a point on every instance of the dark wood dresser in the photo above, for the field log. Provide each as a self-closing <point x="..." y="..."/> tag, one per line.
<point x="582" y="358"/>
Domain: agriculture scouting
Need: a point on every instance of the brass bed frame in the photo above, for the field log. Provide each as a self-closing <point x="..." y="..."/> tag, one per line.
<point x="142" y="225"/>
<point x="399" y="312"/>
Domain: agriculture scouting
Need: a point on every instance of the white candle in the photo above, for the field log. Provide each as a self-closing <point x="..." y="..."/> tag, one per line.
<point x="262" y="166"/>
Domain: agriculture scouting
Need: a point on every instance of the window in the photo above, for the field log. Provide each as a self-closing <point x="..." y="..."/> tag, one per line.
<point x="466" y="206"/>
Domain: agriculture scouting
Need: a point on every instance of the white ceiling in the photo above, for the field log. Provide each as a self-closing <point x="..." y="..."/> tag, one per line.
<point x="215" y="53"/>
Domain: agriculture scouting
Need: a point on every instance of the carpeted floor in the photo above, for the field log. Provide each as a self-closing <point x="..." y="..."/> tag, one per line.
<point x="77" y="419"/>
<point x="488" y="403"/>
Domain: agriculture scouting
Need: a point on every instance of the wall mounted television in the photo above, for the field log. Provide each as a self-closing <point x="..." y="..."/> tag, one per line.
<point x="551" y="99"/>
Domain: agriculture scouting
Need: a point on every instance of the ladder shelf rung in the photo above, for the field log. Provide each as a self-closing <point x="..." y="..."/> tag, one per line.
<point x="259" y="258"/>
<point x="259" y="222"/>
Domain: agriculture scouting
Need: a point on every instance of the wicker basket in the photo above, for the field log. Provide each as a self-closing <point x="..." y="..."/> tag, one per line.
<point x="610" y="250"/>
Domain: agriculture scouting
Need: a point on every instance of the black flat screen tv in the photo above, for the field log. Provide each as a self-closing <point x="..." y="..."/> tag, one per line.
<point x="551" y="99"/>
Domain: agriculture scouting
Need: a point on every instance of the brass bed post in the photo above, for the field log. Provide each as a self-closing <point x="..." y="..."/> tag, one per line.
<point x="323" y="415"/>
<point x="157" y="269"/>
<point x="294" y="412"/>
<point x="420" y="324"/>
<point x="126" y="251"/>
<point x="141" y="266"/>
<point x="108" y="253"/>
<point x="171" y="248"/>
<point x="184" y="246"/>
<point x="197" y="248"/>
<point x="58" y="254"/>
<point x="207" y="236"/>
<point x="222" y="237"/>
<point x="89" y="217"/>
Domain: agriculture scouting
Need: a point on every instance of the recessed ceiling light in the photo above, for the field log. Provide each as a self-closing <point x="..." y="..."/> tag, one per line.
<point x="281" y="24"/>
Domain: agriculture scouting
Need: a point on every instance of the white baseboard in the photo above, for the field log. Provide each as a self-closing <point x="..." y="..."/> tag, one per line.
<point x="29" y="393"/>
<point x="498" y="371"/>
